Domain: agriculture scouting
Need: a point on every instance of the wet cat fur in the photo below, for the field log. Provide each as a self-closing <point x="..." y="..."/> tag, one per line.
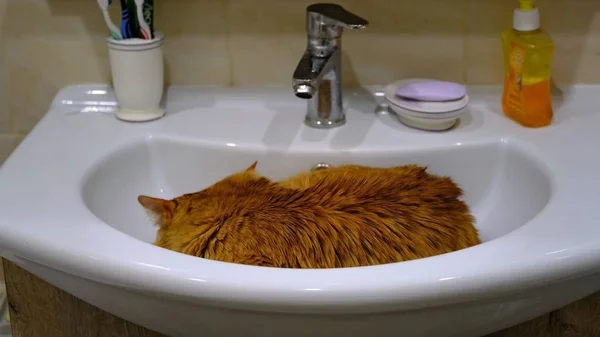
<point x="346" y="216"/>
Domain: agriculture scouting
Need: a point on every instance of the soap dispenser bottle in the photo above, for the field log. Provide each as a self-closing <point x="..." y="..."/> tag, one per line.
<point x="528" y="55"/>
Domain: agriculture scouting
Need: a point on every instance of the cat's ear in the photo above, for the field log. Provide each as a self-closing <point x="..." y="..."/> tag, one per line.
<point x="252" y="167"/>
<point x="161" y="207"/>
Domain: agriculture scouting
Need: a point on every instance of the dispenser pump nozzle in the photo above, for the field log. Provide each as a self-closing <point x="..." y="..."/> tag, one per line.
<point x="526" y="5"/>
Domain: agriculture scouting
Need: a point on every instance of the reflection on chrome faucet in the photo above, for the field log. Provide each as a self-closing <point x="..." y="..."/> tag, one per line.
<point x="318" y="75"/>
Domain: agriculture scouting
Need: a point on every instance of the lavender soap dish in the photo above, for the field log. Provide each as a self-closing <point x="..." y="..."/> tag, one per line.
<point x="427" y="104"/>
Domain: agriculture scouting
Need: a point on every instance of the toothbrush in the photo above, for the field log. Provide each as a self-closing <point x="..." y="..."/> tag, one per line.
<point x="129" y="24"/>
<point x="114" y="31"/>
<point x="149" y="15"/>
<point x="125" y="24"/>
<point x="144" y="28"/>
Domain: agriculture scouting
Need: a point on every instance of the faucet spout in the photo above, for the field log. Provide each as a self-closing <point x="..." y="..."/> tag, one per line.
<point x="306" y="76"/>
<point x="317" y="77"/>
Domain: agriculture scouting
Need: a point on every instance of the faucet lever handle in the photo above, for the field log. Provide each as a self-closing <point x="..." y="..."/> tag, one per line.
<point x="332" y="14"/>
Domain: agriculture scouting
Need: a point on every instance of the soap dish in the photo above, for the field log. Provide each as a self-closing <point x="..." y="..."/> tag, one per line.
<point x="441" y="112"/>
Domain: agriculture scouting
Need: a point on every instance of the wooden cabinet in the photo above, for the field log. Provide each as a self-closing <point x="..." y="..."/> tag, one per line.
<point x="40" y="309"/>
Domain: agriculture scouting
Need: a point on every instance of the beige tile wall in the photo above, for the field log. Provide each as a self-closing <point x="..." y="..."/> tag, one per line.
<point x="47" y="44"/>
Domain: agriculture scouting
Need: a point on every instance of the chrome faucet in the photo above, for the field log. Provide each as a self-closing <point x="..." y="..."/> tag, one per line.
<point x="318" y="75"/>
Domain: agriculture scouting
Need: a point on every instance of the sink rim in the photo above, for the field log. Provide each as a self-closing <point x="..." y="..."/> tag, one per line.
<point x="422" y="288"/>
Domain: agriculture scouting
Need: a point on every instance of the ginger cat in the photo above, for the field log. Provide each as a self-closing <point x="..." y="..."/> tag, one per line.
<point x="347" y="216"/>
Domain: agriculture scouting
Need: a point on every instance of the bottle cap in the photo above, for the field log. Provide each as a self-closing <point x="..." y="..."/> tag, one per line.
<point x="526" y="20"/>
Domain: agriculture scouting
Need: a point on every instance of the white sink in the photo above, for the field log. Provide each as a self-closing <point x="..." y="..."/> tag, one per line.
<point x="505" y="185"/>
<point x="68" y="199"/>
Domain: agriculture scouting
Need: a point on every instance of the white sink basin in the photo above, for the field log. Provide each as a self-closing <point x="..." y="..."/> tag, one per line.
<point x="68" y="199"/>
<point x="505" y="185"/>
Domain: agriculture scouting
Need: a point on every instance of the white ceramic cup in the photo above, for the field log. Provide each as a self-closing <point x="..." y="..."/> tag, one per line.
<point x="137" y="67"/>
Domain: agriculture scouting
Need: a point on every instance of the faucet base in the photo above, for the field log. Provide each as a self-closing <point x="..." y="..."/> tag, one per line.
<point x="323" y="123"/>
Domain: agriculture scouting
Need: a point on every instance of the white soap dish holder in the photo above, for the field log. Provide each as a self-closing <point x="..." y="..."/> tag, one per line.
<point x="425" y="115"/>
